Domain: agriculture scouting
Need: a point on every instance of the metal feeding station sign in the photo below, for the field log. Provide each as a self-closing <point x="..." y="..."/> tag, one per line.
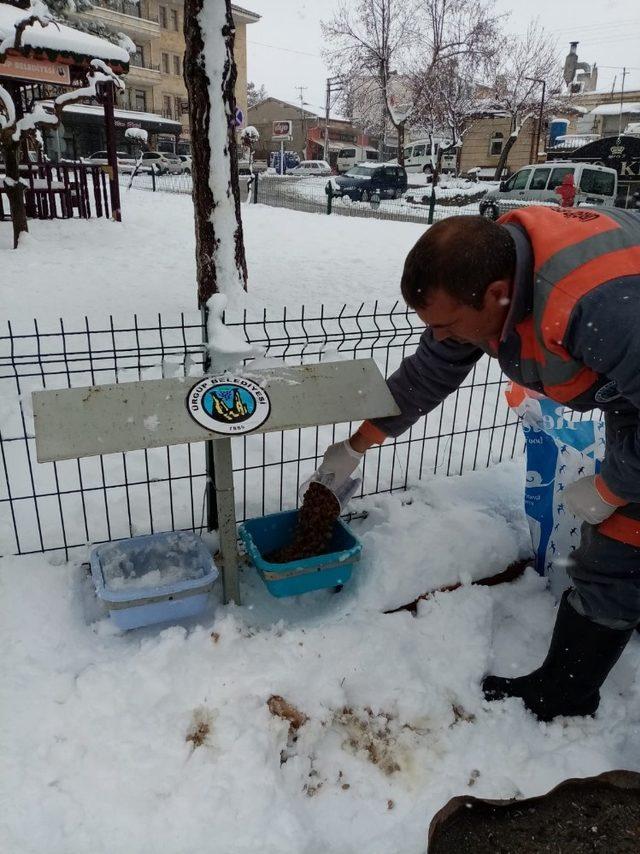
<point x="82" y="422"/>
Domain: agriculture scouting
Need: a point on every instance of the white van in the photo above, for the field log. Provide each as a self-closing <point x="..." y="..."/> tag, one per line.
<point x="348" y="157"/>
<point x="595" y="185"/>
<point x="417" y="155"/>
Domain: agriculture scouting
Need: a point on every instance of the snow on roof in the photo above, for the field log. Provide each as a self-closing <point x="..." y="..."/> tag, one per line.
<point x="127" y="115"/>
<point x="59" y="38"/>
<point x="239" y="11"/>
<point x="614" y="109"/>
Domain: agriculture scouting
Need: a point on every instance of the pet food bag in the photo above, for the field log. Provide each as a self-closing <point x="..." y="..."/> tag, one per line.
<point x="559" y="451"/>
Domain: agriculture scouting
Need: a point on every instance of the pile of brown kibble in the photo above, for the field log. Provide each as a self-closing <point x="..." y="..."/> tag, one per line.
<point x="316" y="519"/>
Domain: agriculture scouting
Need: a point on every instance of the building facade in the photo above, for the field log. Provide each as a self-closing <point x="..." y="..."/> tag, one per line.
<point x="308" y="131"/>
<point x="483" y="142"/>
<point x="155" y="83"/>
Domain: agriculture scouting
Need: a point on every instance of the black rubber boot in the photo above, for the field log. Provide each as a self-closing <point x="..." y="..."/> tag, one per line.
<point x="568" y="683"/>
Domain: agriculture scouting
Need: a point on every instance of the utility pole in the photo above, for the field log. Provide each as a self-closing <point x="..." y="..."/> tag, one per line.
<point x="534" y="158"/>
<point x="334" y="84"/>
<point x="301" y="90"/>
<point x="624" y="74"/>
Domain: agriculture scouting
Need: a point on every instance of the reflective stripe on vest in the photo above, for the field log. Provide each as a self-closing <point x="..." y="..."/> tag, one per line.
<point x="575" y="251"/>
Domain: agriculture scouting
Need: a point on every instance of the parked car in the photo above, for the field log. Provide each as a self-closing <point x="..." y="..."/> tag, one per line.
<point x="349" y="157"/>
<point x="126" y="162"/>
<point x="186" y="163"/>
<point x="162" y="162"/>
<point x="311" y="167"/>
<point x="369" y="182"/>
<point x="291" y="159"/>
<point x="595" y="185"/>
<point x="417" y="155"/>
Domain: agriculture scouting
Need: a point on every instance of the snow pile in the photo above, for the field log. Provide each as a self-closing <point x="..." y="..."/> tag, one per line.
<point x="366" y="253"/>
<point x="173" y="741"/>
<point x="227" y="349"/>
<point x="137" y="134"/>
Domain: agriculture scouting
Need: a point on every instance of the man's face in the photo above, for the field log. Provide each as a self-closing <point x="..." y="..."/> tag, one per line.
<point x="462" y="323"/>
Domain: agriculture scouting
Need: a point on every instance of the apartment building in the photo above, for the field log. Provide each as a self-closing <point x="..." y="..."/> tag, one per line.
<point x="155" y="83"/>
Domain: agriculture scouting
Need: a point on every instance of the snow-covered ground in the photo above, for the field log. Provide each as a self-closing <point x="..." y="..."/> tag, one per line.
<point x="147" y="262"/>
<point x="162" y="739"/>
<point x="96" y="724"/>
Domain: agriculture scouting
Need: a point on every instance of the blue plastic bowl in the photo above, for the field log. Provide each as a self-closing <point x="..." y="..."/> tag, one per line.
<point x="155" y="578"/>
<point x="268" y="533"/>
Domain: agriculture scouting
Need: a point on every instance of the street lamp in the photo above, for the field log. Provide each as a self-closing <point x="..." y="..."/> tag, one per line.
<point x="544" y="89"/>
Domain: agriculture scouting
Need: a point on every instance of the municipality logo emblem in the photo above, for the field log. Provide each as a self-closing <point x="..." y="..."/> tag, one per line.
<point x="228" y="405"/>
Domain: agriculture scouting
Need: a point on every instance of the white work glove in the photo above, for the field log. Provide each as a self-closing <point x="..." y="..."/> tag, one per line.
<point x="339" y="462"/>
<point x="584" y="501"/>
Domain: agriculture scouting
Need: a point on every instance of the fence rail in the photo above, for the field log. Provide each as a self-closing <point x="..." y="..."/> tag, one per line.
<point x="309" y="195"/>
<point x="66" y="505"/>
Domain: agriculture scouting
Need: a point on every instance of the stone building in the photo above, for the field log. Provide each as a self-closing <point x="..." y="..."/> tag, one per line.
<point x="155" y="83"/>
<point x="484" y="140"/>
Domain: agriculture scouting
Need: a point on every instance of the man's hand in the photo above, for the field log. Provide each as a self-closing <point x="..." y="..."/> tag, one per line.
<point x="339" y="463"/>
<point x="585" y="501"/>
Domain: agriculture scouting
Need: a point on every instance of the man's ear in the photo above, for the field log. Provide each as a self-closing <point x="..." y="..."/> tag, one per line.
<point x="498" y="293"/>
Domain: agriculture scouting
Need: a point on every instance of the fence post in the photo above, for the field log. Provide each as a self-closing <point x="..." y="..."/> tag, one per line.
<point x="255" y="188"/>
<point x="329" y="191"/>
<point x="432" y="205"/>
<point x="153" y="177"/>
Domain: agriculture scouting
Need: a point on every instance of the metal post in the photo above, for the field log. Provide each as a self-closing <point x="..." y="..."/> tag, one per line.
<point x="624" y="74"/>
<point x="326" y="121"/>
<point x="210" y="490"/>
<point x="329" y="189"/>
<point x="432" y="205"/>
<point x="153" y="177"/>
<point x="112" y="157"/>
<point x="226" y="505"/>
<point x="255" y="187"/>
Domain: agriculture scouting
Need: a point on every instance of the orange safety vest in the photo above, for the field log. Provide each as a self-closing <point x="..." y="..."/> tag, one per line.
<point x="574" y="251"/>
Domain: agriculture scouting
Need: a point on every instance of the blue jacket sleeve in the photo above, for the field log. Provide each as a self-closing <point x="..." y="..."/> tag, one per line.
<point x="604" y="333"/>
<point x="425" y="378"/>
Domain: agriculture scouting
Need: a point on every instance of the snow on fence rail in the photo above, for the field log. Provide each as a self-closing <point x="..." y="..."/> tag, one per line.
<point x="65" y="505"/>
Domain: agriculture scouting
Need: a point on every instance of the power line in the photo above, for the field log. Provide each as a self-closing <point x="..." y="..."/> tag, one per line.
<point x="286" y="49"/>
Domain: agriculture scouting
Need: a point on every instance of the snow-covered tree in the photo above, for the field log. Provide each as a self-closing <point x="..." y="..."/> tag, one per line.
<point x="368" y="42"/>
<point x="250" y="138"/>
<point x="522" y="61"/>
<point x="390" y="51"/>
<point x="210" y="75"/>
<point x="255" y="94"/>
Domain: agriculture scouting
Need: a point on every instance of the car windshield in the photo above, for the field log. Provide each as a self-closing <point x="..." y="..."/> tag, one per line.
<point x="360" y="170"/>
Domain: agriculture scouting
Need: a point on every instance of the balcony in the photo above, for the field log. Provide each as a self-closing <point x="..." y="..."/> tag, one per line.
<point x="141" y="72"/>
<point x="134" y="19"/>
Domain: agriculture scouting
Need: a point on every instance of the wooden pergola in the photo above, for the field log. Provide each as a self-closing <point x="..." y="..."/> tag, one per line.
<point x="40" y="57"/>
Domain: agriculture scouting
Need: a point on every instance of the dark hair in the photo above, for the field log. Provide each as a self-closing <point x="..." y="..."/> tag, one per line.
<point x="462" y="255"/>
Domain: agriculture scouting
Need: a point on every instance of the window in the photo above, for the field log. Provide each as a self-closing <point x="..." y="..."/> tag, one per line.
<point x="175" y="20"/>
<point x="178" y="107"/>
<point x="418" y="150"/>
<point x="407" y="152"/>
<point x="390" y="172"/>
<point x="495" y="144"/>
<point x="539" y="180"/>
<point x="165" y="63"/>
<point x="520" y="179"/>
<point x="139" y="100"/>
<point x="372" y="155"/>
<point x="163" y="16"/>
<point x="137" y="58"/>
<point x="557" y="175"/>
<point x="166" y="107"/>
<point x="602" y="183"/>
<point x="176" y="66"/>
<point x="347" y="152"/>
